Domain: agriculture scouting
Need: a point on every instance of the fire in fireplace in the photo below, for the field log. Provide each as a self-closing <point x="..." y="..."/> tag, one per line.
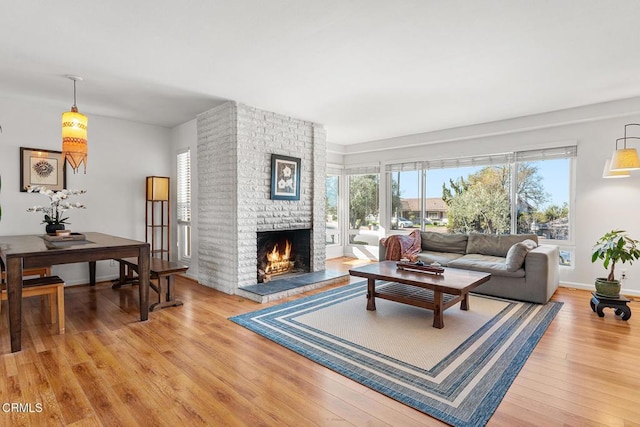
<point x="279" y="262"/>
<point x="282" y="253"/>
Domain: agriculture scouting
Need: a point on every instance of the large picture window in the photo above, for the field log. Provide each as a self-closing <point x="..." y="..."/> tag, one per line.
<point x="519" y="192"/>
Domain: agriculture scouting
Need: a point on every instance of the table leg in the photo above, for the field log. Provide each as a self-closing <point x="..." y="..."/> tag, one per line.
<point x="143" y="278"/>
<point x="371" y="294"/>
<point x="92" y="273"/>
<point x="117" y="284"/>
<point x="14" y="299"/>
<point x="464" y="304"/>
<point x="438" y="315"/>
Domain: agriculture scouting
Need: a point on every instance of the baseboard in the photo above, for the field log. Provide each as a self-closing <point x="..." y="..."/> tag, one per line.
<point x="591" y="287"/>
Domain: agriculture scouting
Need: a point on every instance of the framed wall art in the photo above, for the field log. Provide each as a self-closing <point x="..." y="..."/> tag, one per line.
<point x="42" y="167"/>
<point x="285" y="177"/>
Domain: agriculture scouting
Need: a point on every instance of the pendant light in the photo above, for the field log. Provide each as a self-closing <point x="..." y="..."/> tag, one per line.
<point x="625" y="159"/>
<point x="608" y="173"/>
<point x="74" y="134"/>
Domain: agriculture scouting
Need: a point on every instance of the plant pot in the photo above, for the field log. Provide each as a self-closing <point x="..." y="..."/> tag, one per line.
<point x="608" y="288"/>
<point x="51" y="228"/>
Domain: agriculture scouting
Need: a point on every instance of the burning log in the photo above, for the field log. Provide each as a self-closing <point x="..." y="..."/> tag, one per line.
<point x="277" y="263"/>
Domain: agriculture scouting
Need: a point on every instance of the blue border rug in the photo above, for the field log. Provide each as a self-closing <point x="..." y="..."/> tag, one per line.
<point x="458" y="374"/>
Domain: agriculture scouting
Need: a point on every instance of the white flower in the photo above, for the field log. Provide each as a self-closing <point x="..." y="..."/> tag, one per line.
<point x="58" y="203"/>
<point x="286" y="171"/>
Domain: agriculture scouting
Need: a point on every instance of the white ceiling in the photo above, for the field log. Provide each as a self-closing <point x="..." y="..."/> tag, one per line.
<point x="367" y="69"/>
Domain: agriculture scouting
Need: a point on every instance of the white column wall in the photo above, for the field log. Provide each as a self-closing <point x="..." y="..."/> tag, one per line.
<point x="235" y="143"/>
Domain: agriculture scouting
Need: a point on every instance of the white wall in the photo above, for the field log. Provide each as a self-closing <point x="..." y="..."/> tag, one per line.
<point x="121" y="155"/>
<point x="601" y="205"/>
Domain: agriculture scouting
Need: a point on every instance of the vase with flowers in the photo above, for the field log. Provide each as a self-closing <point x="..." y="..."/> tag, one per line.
<point x="58" y="203"/>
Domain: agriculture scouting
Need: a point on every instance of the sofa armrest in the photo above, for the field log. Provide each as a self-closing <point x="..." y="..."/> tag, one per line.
<point x="541" y="266"/>
<point x="382" y="251"/>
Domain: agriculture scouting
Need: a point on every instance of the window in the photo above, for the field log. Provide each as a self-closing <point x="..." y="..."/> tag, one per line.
<point x="474" y="199"/>
<point x="184" y="205"/>
<point x="520" y="192"/>
<point x="332" y="211"/>
<point x="364" y="211"/>
<point x="406" y="207"/>
<point x="544" y="208"/>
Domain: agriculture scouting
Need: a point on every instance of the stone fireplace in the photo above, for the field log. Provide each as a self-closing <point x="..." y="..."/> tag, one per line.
<point x="235" y="144"/>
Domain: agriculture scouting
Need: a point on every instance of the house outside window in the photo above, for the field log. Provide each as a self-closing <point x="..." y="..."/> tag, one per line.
<point x="406" y="190"/>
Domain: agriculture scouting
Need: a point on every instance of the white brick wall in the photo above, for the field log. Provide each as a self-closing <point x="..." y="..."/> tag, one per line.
<point x="235" y="143"/>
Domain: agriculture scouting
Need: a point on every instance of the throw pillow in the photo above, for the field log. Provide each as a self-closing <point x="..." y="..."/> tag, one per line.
<point x="516" y="255"/>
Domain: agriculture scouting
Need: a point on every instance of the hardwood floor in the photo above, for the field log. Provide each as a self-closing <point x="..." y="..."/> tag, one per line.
<point x="189" y="365"/>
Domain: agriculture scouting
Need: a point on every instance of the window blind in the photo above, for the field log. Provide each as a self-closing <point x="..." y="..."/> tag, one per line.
<point x="362" y="170"/>
<point x="184" y="186"/>
<point x="547" y="153"/>
<point x="405" y="167"/>
<point x="488" y="159"/>
<point x="334" y="169"/>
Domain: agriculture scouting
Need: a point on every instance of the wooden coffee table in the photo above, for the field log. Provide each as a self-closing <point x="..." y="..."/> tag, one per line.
<point x="420" y="289"/>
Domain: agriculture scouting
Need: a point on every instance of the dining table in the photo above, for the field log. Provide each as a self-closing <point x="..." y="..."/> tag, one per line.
<point x="30" y="251"/>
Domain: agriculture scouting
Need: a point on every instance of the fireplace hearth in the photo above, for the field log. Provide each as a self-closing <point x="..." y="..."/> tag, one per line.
<point x="283" y="253"/>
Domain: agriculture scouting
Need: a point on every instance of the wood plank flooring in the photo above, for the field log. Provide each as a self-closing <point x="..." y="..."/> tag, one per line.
<point x="190" y="366"/>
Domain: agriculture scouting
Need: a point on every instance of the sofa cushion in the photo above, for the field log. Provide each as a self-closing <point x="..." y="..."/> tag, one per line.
<point x="517" y="253"/>
<point x="442" y="258"/>
<point x="441" y="242"/>
<point x="495" y="244"/>
<point x="486" y="263"/>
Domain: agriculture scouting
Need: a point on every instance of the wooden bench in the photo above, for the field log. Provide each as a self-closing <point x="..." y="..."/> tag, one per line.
<point x="161" y="270"/>
<point x="52" y="287"/>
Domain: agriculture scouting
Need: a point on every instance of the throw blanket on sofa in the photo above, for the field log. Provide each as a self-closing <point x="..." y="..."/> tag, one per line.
<point x="400" y="246"/>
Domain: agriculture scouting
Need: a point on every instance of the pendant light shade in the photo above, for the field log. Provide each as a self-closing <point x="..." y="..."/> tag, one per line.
<point x="625" y="159"/>
<point x="608" y="173"/>
<point x="74" y="134"/>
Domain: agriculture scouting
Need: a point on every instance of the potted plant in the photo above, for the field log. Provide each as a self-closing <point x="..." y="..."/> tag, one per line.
<point x="57" y="205"/>
<point x="615" y="246"/>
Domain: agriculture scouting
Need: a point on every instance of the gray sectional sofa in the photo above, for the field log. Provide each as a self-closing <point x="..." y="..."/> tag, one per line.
<point x="520" y="268"/>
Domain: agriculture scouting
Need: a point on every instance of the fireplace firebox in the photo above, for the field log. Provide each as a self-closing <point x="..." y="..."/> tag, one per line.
<point x="283" y="253"/>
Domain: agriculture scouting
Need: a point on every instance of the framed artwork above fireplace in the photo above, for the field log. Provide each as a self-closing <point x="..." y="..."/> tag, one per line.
<point x="285" y="177"/>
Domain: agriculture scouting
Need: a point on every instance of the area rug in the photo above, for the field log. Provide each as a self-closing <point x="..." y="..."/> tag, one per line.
<point x="458" y="374"/>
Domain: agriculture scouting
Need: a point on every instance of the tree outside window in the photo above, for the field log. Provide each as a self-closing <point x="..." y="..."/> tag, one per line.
<point x="363" y="209"/>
